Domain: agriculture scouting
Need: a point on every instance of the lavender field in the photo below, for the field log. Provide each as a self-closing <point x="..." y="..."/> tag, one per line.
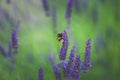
<point x="59" y="39"/>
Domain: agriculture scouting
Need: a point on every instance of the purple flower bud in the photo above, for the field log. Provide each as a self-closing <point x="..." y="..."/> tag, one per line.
<point x="64" y="48"/>
<point x="69" y="10"/>
<point x="87" y="60"/>
<point x="57" y="72"/>
<point x="69" y="64"/>
<point x="46" y="7"/>
<point x="75" y="70"/>
<point x="40" y="74"/>
<point x="2" y="50"/>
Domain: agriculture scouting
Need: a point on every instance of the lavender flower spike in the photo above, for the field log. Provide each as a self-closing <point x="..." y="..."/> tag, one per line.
<point x="40" y="74"/>
<point x="14" y="39"/>
<point x="66" y="70"/>
<point x="64" y="48"/>
<point x="75" y="70"/>
<point x="69" y="10"/>
<point x="86" y="64"/>
<point x="46" y="7"/>
<point x="57" y="72"/>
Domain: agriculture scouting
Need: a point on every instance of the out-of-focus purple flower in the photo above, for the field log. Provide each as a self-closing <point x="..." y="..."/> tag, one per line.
<point x="69" y="10"/>
<point x="95" y="14"/>
<point x="102" y="1"/>
<point x="40" y="74"/>
<point x="17" y="79"/>
<point x="51" y="59"/>
<point x="75" y="70"/>
<point x="86" y="64"/>
<point x="54" y="18"/>
<point x="14" y="38"/>
<point x="14" y="41"/>
<point x="2" y="50"/>
<point x="17" y="25"/>
<point x="70" y="63"/>
<point x="57" y="72"/>
<point x="64" y="48"/>
<point x="109" y="31"/>
<point x="8" y="1"/>
<point x="85" y="5"/>
<point x="77" y="5"/>
<point x="46" y="7"/>
<point x="100" y="42"/>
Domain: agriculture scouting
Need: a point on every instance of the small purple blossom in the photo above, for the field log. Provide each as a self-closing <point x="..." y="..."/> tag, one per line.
<point x="86" y="64"/>
<point x="46" y="7"/>
<point x="75" y="70"/>
<point x="57" y="72"/>
<point x="70" y="63"/>
<point x="40" y="74"/>
<point x="64" y="48"/>
<point x="69" y="10"/>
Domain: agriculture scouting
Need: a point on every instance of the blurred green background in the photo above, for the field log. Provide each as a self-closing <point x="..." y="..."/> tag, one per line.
<point x="98" y="20"/>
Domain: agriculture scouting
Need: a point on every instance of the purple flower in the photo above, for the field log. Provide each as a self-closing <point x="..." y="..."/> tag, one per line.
<point x="14" y="38"/>
<point x="57" y="72"/>
<point x="51" y="59"/>
<point x="54" y="18"/>
<point x="69" y="10"/>
<point x="46" y="7"/>
<point x="75" y="70"/>
<point x="14" y="41"/>
<point x="64" y="48"/>
<point x="40" y="74"/>
<point x="70" y="63"/>
<point x="87" y="61"/>
<point x="2" y="50"/>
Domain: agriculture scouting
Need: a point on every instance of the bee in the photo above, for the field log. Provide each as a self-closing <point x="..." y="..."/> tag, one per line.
<point x="59" y="36"/>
